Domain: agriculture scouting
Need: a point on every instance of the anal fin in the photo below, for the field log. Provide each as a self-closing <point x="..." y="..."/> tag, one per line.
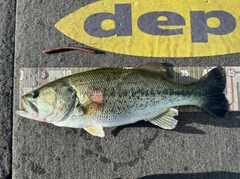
<point x="95" y="130"/>
<point x="166" y="119"/>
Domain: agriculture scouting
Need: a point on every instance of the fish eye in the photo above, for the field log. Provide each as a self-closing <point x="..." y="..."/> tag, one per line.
<point x="35" y="94"/>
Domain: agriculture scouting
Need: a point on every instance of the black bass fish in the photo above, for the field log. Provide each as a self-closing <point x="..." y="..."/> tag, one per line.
<point x="112" y="97"/>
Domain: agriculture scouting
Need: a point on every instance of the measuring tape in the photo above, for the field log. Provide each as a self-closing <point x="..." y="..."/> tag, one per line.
<point x="32" y="78"/>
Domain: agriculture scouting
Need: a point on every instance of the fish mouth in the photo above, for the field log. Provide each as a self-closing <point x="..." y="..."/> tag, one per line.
<point x="29" y="109"/>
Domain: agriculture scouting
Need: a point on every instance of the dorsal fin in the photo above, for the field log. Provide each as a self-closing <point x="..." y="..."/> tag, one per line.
<point x="157" y="68"/>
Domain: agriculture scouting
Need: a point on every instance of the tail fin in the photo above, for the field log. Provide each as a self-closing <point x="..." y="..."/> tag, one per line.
<point x="213" y="85"/>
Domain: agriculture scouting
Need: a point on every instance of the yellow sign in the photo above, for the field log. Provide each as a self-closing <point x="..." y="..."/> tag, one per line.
<point x="157" y="28"/>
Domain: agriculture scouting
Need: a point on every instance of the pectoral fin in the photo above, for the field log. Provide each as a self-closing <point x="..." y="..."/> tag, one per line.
<point x="166" y="119"/>
<point x="91" y="108"/>
<point x="95" y="130"/>
<point x="94" y="105"/>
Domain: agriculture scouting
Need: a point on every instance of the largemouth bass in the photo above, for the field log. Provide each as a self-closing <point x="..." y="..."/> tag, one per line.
<point x="112" y="97"/>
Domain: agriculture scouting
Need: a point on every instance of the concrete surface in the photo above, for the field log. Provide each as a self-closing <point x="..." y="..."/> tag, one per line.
<point x="7" y="32"/>
<point x="200" y="147"/>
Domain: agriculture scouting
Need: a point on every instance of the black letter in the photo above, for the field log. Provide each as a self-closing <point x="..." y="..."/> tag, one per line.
<point x="122" y="19"/>
<point x="149" y="23"/>
<point x="200" y="28"/>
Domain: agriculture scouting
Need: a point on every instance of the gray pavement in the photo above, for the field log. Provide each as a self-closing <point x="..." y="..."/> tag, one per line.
<point x="7" y="34"/>
<point x="200" y="147"/>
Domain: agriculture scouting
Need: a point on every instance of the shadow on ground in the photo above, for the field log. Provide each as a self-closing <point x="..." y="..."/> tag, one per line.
<point x="212" y="175"/>
<point x="184" y="119"/>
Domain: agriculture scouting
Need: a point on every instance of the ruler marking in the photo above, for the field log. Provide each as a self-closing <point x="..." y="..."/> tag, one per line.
<point x="226" y="90"/>
<point x="238" y="88"/>
<point x="184" y="82"/>
<point x="232" y="90"/>
<point x="42" y="76"/>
